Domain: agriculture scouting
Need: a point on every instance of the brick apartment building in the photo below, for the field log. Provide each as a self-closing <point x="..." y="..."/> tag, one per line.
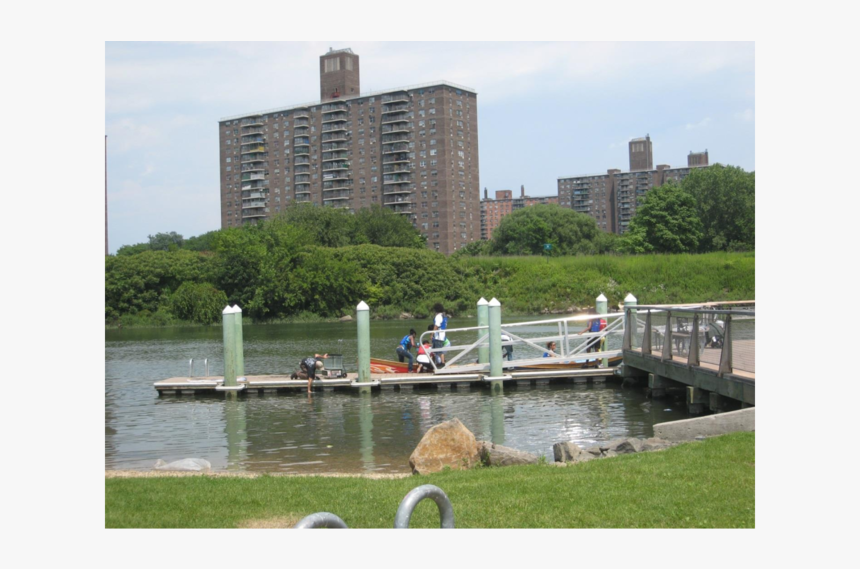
<point x="412" y="149"/>
<point x="611" y="198"/>
<point x="493" y="210"/>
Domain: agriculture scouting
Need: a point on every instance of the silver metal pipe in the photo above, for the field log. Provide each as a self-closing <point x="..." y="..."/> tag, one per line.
<point x="191" y="368"/>
<point x="407" y="506"/>
<point x="321" y="520"/>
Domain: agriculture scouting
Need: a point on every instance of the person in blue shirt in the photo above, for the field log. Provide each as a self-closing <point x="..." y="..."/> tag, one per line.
<point x="403" y="349"/>
<point x="593" y="326"/>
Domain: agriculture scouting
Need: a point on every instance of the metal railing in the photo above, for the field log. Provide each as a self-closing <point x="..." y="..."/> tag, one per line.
<point x="716" y="335"/>
<point x="573" y="345"/>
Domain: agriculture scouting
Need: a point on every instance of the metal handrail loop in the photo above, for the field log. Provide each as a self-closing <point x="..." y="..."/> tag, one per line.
<point x="321" y="520"/>
<point x="407" y="506"/>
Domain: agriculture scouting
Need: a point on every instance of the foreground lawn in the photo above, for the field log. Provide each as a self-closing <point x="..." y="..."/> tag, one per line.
<point x="701" y="484"/>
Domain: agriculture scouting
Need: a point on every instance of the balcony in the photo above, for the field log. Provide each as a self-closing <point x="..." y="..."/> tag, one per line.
<point x="336" y="166"/>
<point x="400" y="168"/>
<point x="303" y="150"/>
<point x="301" y="131"/>
<point x="303" y="198"/>
<point x="334" y="127"/>
<point x="329" y="156"/>
<point x="302" y="160"/>
<point x="252" y="130"/>
<point x="395" y="147"/>
<point x="398" y="189"/>
<point x="253" y="138"/>
<point x="253" y="204"/>
<point x="392" y="128"/>
<point x="301" y="123"/>
<point x="394" y="108"/>
<point x="335" y="146"/>
<point x="302" y="168"/>
<point x="396" y="199"/>
<point x="259" y="157"/>
<point x="334" y="137"/>
<point x="333" y="107"/>
<point x="399" y="137"/>
<point x="303" y="189"/>
<point x="395" y="118"/>
<point x="334" y="117"/>
<point x="395" y="98"/>
<point x="252" y="168"/>
<point x="301" y="115"/>
<point x="246" y="177"/>
<point x="251" y="195"/>
<point x="394" y="158"/>
<point x="338" y="175"/>
<point x="253" y="121"/>
<point x="301" y="140"/>
<point x="251" y="150"/>
<point x="336" y="194"/>
<point x="341" y="184"/>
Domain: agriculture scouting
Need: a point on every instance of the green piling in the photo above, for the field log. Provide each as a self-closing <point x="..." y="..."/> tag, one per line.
<point x="483" y="320"/>
<point x="229" y="330"/>
<point x="495" y="331"/>
<point x="240" y="351"/>
<point x="363" y="318"/>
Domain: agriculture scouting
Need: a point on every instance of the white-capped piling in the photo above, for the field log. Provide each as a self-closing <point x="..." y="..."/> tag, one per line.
<point x="483" y="320"/>
<point x="363" y="319"/>
<point x="229" y="330"/>
<point x="240" y="350"/>
<point x="495" y="323"/>
<point x="630" y="324"/>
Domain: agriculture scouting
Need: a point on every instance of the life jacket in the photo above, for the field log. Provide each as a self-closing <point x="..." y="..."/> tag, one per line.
<point x="595" y="325"/>
<point x="421" y="350"/>
<point x="444" y="322"/>
<point x="602" y="323"/>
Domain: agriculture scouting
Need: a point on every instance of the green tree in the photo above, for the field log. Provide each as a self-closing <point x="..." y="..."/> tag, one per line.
<point x="325" y="226"/>
<point x="378" y="225"/>
<point x="198" y="302"/>
<point x="203" y="242"/>
<point x="725" y="202"/>
<point x="524" y="232"/>
<point x="133" y="249"/>
<point x="665" y="222"/>
<point x="164" y="241"/>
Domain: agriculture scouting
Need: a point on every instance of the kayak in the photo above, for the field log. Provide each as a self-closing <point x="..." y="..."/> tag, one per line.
<point x="378" y="365"/>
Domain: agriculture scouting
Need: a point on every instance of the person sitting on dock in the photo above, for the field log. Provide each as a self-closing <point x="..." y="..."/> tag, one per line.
<point x="507" y="351"/>
<point x="311" y="365"/>
<point x="403" y="349"/>
<point x="550" y="346"/>
<point x="423" y="358"/>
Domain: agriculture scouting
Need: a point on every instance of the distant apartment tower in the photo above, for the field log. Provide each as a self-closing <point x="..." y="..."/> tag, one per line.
<point x="697" y="158"/>
<point x="612" y="198"/>
<point x="493" y="210"/>
<point x="412" y="149"/>
<point x="641" y="154"/>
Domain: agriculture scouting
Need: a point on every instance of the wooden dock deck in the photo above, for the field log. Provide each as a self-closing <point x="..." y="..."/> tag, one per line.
<point x="283" y="382"/>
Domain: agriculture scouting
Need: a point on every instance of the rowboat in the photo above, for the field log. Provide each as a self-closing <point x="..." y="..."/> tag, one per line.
<point x="378" y="365"/>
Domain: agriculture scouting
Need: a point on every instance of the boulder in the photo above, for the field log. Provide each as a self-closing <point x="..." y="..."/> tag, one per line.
<point x="186" y="464"/>
<point x="622" y="446"/>
<point x="655" y="444"/>
<point x="405" y="316"/>
<point x="497" y="455"/>
<point x="346" y="318"/>
<point x="570" y="452"/>
<point x="447" y="444"/>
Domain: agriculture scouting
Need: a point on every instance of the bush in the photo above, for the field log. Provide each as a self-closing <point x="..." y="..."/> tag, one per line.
<point x="201" y="303"/>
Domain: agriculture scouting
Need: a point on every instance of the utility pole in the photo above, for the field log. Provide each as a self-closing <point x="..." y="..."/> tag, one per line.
<point x="106" y="221"/>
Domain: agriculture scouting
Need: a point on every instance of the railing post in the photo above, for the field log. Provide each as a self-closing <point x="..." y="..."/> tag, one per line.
<point x="667" y="338"/>
<point x="726" y="354"/>
<point x="693" y="355"/>
<point x="630" y="325"/>
<point x="483" y="320"/>
<point x="229" y="334"/>
<point x="646" y="337"/>
<point x="240" y="352"/>
<point x="363" y="319"/>
<point x="602" y="307"/>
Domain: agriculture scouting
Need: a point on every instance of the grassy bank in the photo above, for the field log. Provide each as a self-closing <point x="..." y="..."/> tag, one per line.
<point x="701" y="484"/>
<point x="143" y="290"/>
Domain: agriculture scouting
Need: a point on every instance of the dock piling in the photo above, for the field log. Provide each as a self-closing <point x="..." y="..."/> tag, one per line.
<point x="602" y="306"/>
<point x="240" y="351"/>
<point x="229" y="330"/>
<point x="483" y="320"/>
<point x="363" y="318"/>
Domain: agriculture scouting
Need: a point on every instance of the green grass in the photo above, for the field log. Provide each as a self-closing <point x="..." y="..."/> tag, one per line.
<point x="701" y="484"/>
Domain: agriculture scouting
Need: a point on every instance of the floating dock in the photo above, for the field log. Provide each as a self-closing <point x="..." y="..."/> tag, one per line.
<point x="258" y="383"/>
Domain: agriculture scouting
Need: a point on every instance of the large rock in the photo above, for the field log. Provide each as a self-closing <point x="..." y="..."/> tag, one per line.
<point x="497" y="455"/>
<point x="447" y="444"/>
<point x="346" y="318"/>
<point x="570" y="452"/>
<point x="622" y="446"/>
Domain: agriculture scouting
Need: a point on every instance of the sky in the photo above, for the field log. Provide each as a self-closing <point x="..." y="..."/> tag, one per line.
<point x="545" y="110"/>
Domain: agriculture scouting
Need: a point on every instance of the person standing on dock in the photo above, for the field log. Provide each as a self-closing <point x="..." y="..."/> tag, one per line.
<point x="403" y="349"/>
<point x="440" y="323"/>
<point x="594" y="326"/>
<point x="311" y="365"/>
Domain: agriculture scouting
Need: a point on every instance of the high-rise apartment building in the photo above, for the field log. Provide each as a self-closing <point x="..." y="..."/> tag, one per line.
<point x="493" y="210"/>
<point x="412" y="149"/>
<point x="611" y="198"/>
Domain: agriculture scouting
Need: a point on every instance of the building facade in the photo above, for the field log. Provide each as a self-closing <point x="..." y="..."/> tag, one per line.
<point x="411" y="149"/>
<point x="493" y="210"/>
<point x="611" y="198"/>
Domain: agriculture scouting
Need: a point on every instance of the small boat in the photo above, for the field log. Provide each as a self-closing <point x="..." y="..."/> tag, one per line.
<point x="378" y="365"/>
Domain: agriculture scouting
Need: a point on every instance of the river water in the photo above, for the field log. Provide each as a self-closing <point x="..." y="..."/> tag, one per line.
<point x="332" y="431"/>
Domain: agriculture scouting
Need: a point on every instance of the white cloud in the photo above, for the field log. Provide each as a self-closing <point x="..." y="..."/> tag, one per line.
<point x="701" y="124"/>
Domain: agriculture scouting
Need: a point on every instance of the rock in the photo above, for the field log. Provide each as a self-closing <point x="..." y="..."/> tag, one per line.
<point x="622" y="446"/>
<point x="346" y="318"/>
<point x="497" y="455"/>
<point x="655" y="444"/>
<point x="405" y="316"/>
<point x="609" y="454"/>
<point x="186" y="464"/>
<point x="571" y="452"/>
<point x="447" y="444"/>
